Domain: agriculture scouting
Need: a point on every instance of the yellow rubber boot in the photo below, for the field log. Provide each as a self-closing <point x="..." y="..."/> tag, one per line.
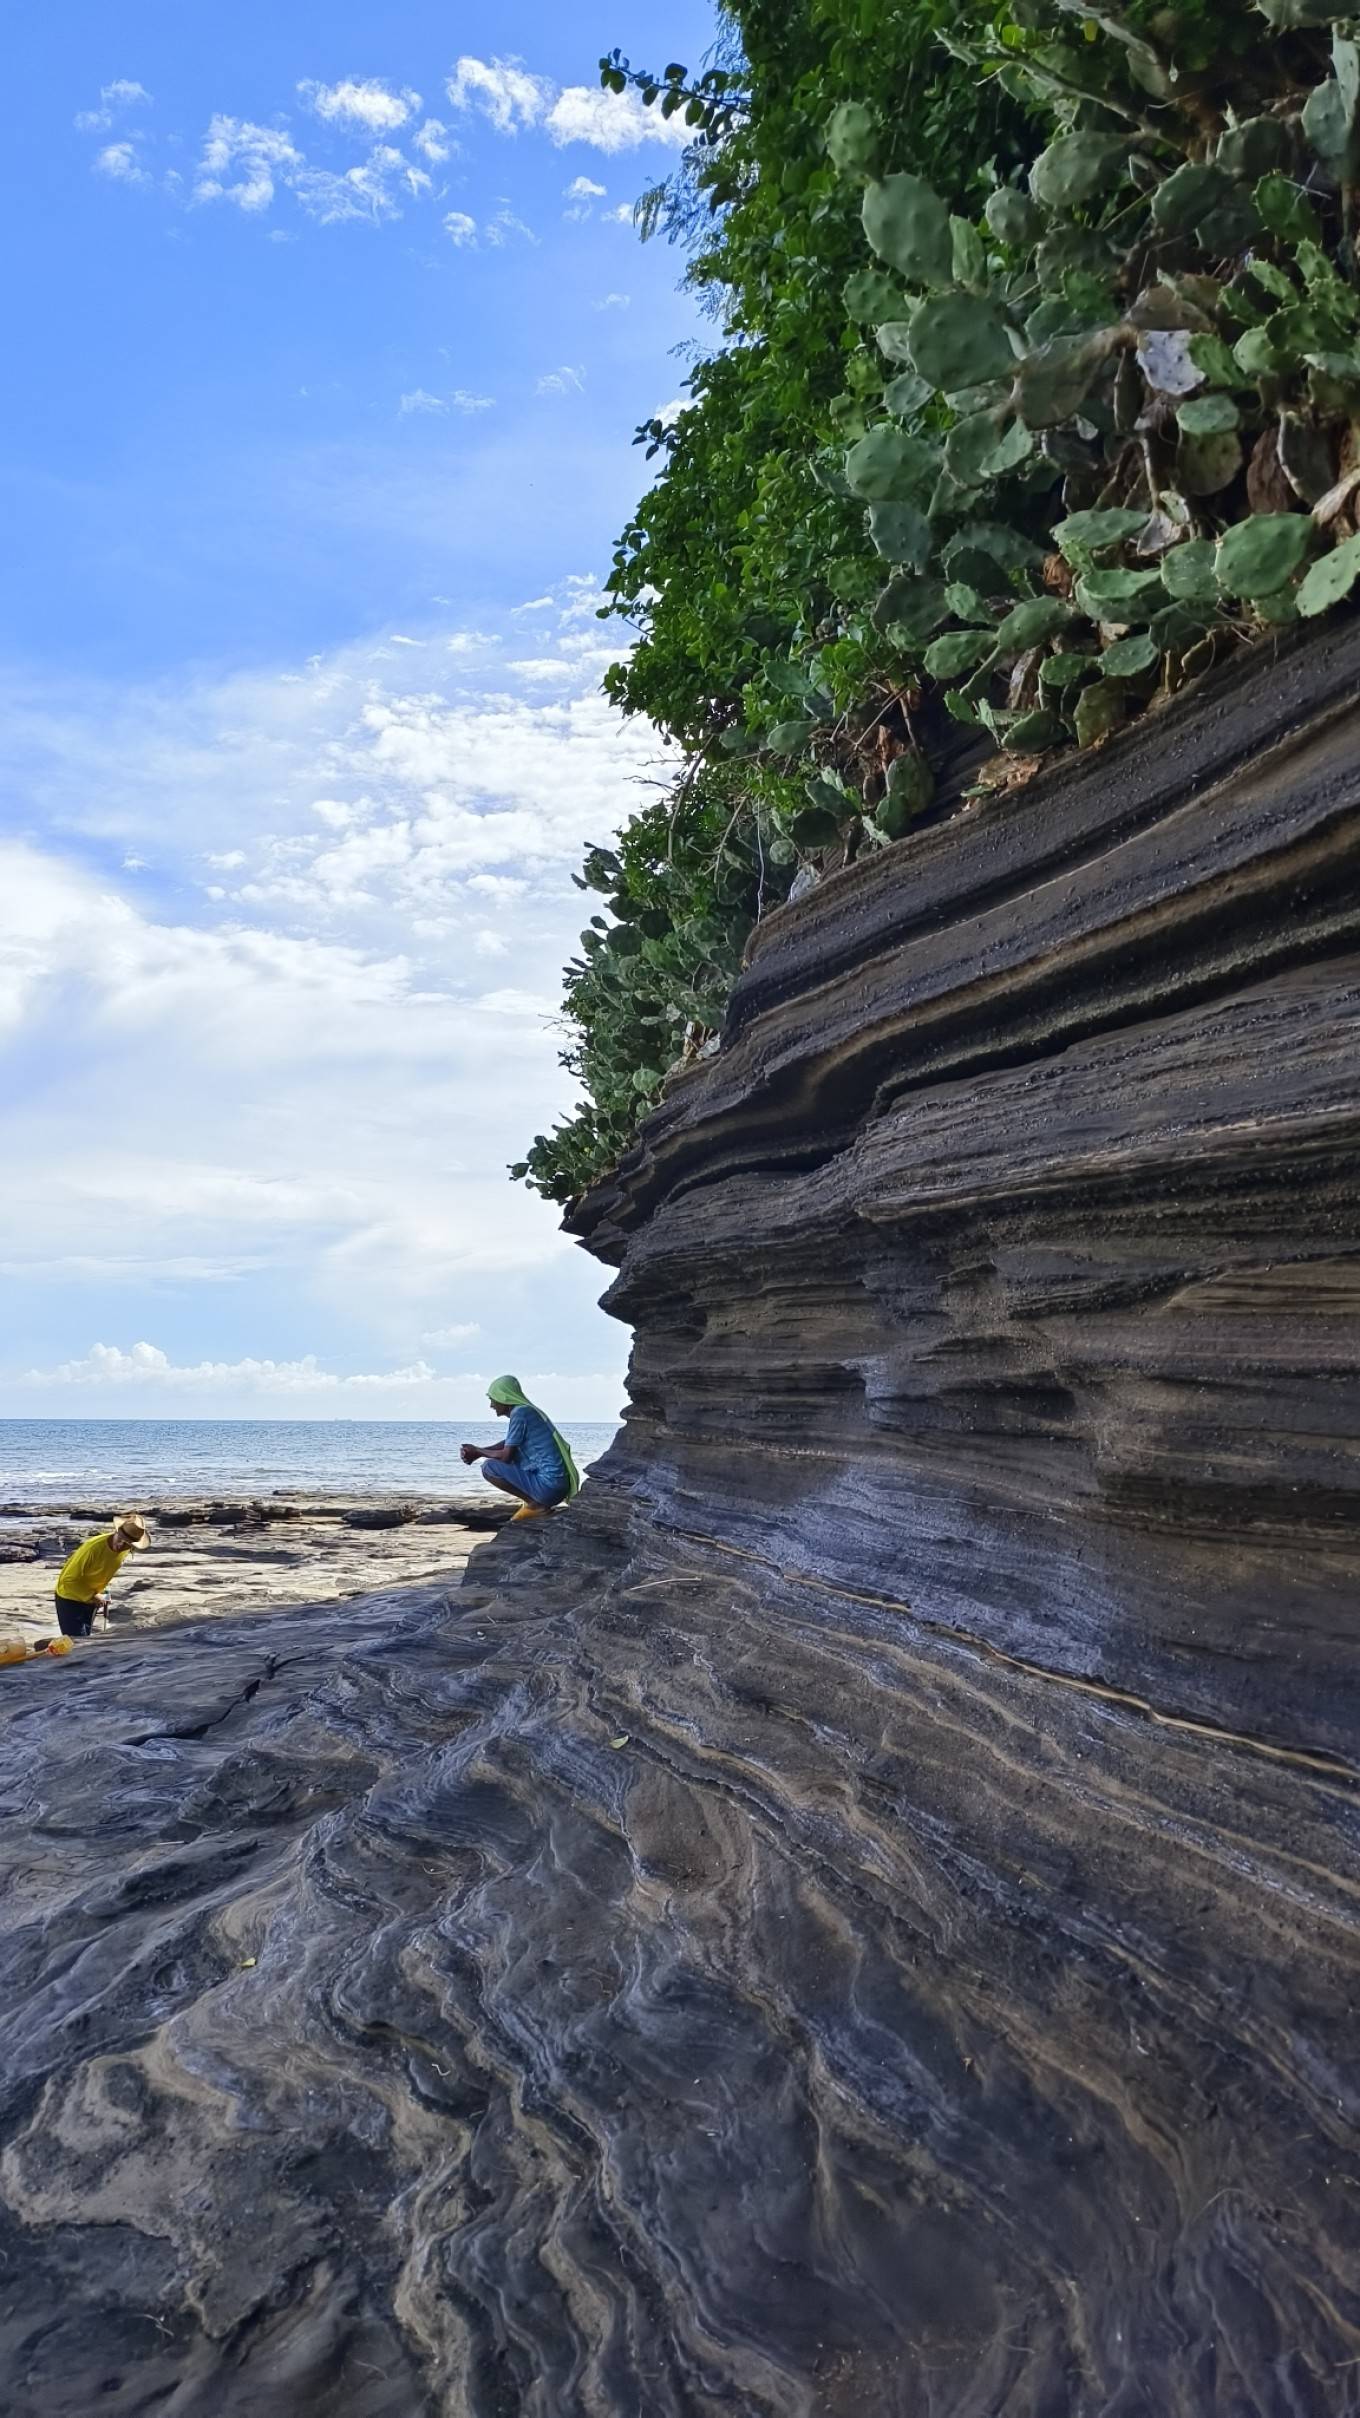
<point x="529" y="1511"/>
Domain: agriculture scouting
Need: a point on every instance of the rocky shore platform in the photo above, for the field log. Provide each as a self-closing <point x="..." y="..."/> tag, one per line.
<point x="211" y="1558"/>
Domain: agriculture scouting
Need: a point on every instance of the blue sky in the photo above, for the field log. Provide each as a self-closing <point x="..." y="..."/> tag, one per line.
<point x="334" y="333"/>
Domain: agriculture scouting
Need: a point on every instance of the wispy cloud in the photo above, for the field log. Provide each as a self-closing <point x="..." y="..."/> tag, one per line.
<point x="584" y="188"/>
<point x="244" y="163"/>
<point x="420" y="401"/>
<point x="516" y="101"/>
<point x="114" y="98"/>
<point x="460" y="228"/>
<point x="433" y="141"/>
<point x="120" y="161"/>
<point x="108" y="1367"/>
<point x="368" y="103"/>
<point x="462" y="399"/>
<point x="564" y="381"/>
<point x="614" y="302"/>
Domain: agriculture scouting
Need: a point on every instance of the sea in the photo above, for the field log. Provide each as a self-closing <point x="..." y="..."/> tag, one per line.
<point x="123" y="1463"/>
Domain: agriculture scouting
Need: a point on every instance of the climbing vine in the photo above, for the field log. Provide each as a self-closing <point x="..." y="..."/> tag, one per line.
<point x="1040" y="393"/>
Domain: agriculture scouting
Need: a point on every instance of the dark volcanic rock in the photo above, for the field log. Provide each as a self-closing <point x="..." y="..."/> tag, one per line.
<point x="380" y="1515"/>
<point x="858" y="1919"/>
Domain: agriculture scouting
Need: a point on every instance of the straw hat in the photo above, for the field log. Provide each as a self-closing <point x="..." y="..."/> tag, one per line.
<point x="131" y="1525"/>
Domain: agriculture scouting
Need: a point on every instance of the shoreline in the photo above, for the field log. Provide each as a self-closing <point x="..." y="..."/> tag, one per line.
<point x="211" y="1558"/>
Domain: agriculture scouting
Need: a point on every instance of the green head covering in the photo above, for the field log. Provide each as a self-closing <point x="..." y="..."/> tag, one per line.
<point x="507" y="1389"/>
<point x="508" y="1394"/>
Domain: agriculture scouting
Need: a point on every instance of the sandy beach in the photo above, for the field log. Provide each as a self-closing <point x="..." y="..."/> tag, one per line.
<point x="208" y="1559"/>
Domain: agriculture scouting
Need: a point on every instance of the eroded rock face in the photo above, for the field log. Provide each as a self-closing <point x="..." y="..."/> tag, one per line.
<point x="860" y="1916"/>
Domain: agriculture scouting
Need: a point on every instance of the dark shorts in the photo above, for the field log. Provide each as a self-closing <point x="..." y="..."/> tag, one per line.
<point x="75" y="1620"/>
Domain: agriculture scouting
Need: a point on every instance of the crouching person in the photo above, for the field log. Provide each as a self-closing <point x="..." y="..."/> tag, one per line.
<point x="534" y="1463"/>
<point x="80" y="1587"/>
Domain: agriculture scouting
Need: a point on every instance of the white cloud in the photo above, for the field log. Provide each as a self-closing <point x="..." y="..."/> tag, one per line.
<point x="420" y="401"/>
<point x="462" y="399"/>
<point x="108" y="1367"/>
<point x="514" y="100"/>
<point x="122" y="94"/>
<point x="622" y="214"/>
<point x="669" y="413"/>
<point x="369" y="103"/>
<point x="614" y="302"/>
<point x="243" y="163"/>
<point x="246" y="164"/>
<point x="610" y="121"/>
<point x="372" y="190"/>
<point x="433" y="141"/>
<point x="502" y="90"/>
<point x="460" y="228"/>
<point x="504" y="225"/>
<point x="443" y="1339"/>
<point x="582" y="188"/>
<point x="119" y="160"/>
<point x="564" y="381"/>
<point x="331" y="1085"/>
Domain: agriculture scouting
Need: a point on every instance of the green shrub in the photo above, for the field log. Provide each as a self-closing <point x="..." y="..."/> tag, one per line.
<point x="1040" y="389"/>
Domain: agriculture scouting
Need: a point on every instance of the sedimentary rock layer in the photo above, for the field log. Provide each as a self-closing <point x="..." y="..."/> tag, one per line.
<point x="859" y="1918"/>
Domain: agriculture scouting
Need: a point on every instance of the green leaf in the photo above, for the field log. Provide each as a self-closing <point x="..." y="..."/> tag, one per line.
<point x="1329" y="114"/>
<point x="910" y="610"/>
<point x="1258" y="556"/>
<point x="1062" y="671"/>
<point x="901" y="533"/>
<point x="1004" y="547"/>
<point x="905" y="395"/>
<point x="785" y="738"/>
<point x="814" y="827"/>
<point x="908" y="225"/>
<point x="894" y="339"/>
<point x="1030" y="623"/>
<point x="1078" y="167"/>
<point x="1084" y="534"/>
<point x="1255" y="355"/>
<point x="1100" y="709"/>
<point x="871" y="294"/>
<point x="1129" y="656"/>
<point x="960" y="339"/>
<point x="981" y="448"/>
<point x="1330" y="579"/>
<point x="957" y="652"/>
<point x="1208" y="416"/>
<point x="1274" y="280"/>
<point x="969" y="253"/>
<point x="1188" y="571"/>
<point x="889" y="466"/>
<point x="1214" y="362"/>
<point x="1055" y="381"/>
<point x="852" y="138"/>
<point x="1119" y="595"/>
<point x="1254" y="148"/>
<point x="1206" y="465"/>
<point x="910" y="788"/>
<point x="1030" y="733"/>
<point x="1285" y="212"/>
<point x="967" y="602"/>
<point x="1013" y="218"/>
<point x="1195" y="191"/>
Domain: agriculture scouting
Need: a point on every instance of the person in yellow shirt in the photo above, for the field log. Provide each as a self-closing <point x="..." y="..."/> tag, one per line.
<point x="80" y="1587"/>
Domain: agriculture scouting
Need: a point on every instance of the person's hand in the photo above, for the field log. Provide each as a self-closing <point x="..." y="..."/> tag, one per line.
<point x="469" y="1454"/>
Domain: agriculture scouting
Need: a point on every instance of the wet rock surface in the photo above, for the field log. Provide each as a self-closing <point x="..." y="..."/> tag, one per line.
<point x="860" y="1917"/>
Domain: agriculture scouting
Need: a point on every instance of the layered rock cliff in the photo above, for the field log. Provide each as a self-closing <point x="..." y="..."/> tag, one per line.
<point x="862" y="1915"/>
